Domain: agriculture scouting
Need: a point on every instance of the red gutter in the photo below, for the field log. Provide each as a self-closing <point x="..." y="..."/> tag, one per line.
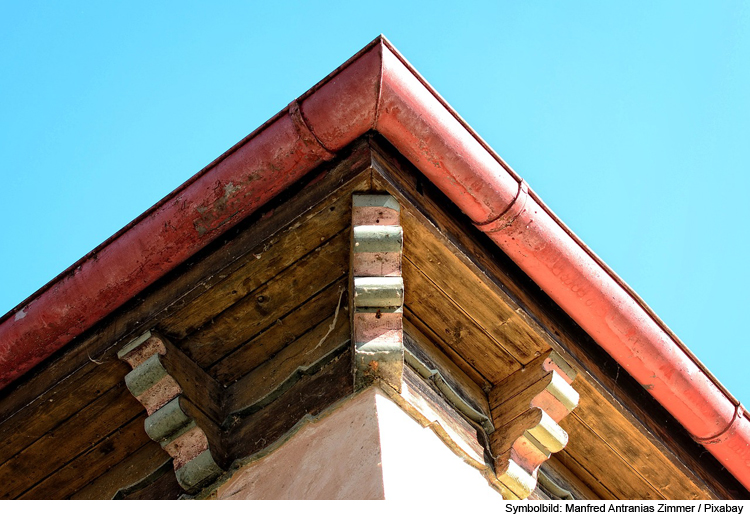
<point x="378" y="90"/>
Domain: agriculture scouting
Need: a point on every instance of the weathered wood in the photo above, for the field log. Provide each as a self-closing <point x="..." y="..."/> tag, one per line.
<point x="429" y="354"/>
<point x="286" y="330"/>
<point x="438" y="256"/>
<point x="564" y="478"/>
<point x="68" y="440"/>
<point x="197" y="386"/>
<point x="468" y="340"/>
<point x="163" y="486"/>
<point x="599" y="459"/>
<point x="446" y="349"/>
<point x="74" y="365"/>
<point x="276" y="254"/>
<point x="133" y="469"/>
<point x="539" y="494"/>
<point x="583" y="475"/>
<point x="159" y="371"/>
<point x="67" y="398"/>
<point x="543" y="383"/>
<point x="556" y="407"/>
<point x="259" y="310"/>
<point x="611" y="425"/>
<point x="109" y="452"/>
<point x="377" y="299"/>
<point x="309" y="396"/>
<point x="378" y="292"/>
<point x="288" y="365"/>
<point x="435" y="256"/>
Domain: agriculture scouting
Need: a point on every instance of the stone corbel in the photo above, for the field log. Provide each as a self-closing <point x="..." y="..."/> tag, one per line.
<point x="160" y="372"/>
<point x="526" y="408"/>
<point x="378" y="300"/>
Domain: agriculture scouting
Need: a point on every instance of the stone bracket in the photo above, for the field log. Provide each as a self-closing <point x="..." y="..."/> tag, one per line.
<point x="378" y="290"/>
<point x="160" y="373"/>
<point x="526" y="408"/>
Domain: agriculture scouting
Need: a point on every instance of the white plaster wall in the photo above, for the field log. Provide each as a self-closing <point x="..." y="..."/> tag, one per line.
<point x="418" y="466"/>
<point x="368" y="448"/>
<point x="337" y="457"/>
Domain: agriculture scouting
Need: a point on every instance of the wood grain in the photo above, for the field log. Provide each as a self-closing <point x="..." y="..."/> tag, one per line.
<point x="270" y="302"/>
<point x="463" y="335"/>
<point x="660" y="432"/>
<point x="286" y="330"/>
<point x="302" y="353"/>
<point x="445" y="348"/>
<point x="273" y="256"/>
<point x="429" y="354"/>
<point x="612" y="425"/>
<point x="23" y="428"/>
<point x="600" y="460"/>
<point x="101" y="457"/>
<point x="434" y="255"/>
<point x="68" y="440"/>
<point x="138" y="466"/>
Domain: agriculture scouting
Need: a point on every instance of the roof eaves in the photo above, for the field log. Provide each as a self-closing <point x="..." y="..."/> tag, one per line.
<point x="378" y="90"/>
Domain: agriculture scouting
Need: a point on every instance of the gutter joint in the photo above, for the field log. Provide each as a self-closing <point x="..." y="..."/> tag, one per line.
<point x="306" y="133"/>
<point x="722" y="436"/>
<point x="511" y="213"/>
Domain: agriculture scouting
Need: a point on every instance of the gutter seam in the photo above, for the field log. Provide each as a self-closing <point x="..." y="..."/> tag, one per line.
<point x="739" y="411"/>
<point x="511" y="213"/>
<point x="379" y="99"/>
<point x="305" y="132"/>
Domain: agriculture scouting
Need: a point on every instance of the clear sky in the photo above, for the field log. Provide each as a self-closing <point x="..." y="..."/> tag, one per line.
<point x="630" y="119"/>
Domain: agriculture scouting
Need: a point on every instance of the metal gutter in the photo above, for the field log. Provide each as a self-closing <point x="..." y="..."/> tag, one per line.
<point x="378" y="90"/>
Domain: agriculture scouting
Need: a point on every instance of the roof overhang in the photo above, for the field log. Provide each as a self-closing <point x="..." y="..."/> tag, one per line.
<point x="377" y="90"/>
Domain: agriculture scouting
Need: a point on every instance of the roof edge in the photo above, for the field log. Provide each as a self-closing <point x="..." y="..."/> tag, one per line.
<point x="378" y="90"/>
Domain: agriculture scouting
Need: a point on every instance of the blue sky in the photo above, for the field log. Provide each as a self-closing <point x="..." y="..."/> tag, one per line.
<point x="631" y="120"/>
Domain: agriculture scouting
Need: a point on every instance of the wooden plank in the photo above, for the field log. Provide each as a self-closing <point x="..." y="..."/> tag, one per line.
<point x="602" y="416"/>
<point x="259" y="310"/>
<point x="107" y="453"/>
<point x="607" y="466"/>
<point x="583" y="475"/>
<point x="24" y="427"/>
<point x="286" y="330"/>
<point x="445" y="348"/>
<point x="163" y="487"/>
<point x="132" y="469"/>
<point x="463" y="335"/>
<point x="429" y="354"/>
<point x="309" y="396"/>
<point x="273" y="256"/>
<point x="196" y="384"/>
<point x="332" y="334"/>
<point x="68" y="440"/>
<point x="436" y="257"/>
<point x="563" y="477"/>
